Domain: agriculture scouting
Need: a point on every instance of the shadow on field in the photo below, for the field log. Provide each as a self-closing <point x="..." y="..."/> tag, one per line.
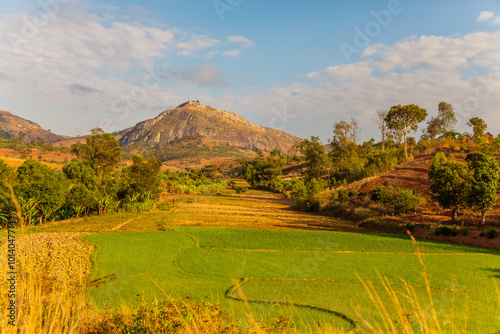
<point x="495" y="271"/>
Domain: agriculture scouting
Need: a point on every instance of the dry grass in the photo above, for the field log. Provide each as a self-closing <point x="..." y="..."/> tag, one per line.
<point x="52" y="270"/>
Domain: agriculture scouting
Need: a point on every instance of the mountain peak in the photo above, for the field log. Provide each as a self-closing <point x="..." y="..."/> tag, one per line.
<point x="194" y="119"/>
<point x="193" y="103"/>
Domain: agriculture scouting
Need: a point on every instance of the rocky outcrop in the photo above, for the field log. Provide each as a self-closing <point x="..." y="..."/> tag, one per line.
<point x="193" y="118"/>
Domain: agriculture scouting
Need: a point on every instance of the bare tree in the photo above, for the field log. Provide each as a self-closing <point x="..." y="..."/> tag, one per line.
<point x="355" y="130"/>
<point x="382" y="125"/>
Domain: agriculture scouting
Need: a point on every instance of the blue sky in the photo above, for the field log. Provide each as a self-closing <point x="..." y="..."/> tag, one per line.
<point x="299" y="66"/>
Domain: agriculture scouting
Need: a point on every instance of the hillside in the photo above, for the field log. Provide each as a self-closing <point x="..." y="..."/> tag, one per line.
<point x="194" y="119"/>
<point x="12" y="126"/>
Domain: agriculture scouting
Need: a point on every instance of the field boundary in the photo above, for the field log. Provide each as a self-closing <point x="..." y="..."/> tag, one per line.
<point x="119" y="226"/>
<point x="233" y="290"/>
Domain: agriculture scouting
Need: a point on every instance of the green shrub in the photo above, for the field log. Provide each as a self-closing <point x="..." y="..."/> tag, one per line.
<point x="465" y="230"/>
<point x="362" y="193"/>
<point x="352" y="193"/>
<point x="376" y="194"/>
<point x="492" y="233"/>
<point x="342" y="195"/>
<point x="400" y="200"/>
<point x="444" y="230"/>
<point x="240" y="190"/>
<point x="333" y="197"/>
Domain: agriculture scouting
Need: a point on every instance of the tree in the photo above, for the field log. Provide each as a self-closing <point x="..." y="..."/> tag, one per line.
<point x="382" y="125"/>
<point x="315" y="156"/>
<point x="447" y="117"/>
<point x="449" y="184"/>
<point x="345" y="133"/>
<point x="80" y="200"/>
<point x="403" y="119"/>
<point x="144" y="176"/>
<point x="44" y="185"/>
<point x="6" y="207"/>
<point x="484" y="183"/>
<point x="479" y="127"/>
<point x="434" y="127"/>
<point x="79" y="171"/>
<point x="102" y="152"/>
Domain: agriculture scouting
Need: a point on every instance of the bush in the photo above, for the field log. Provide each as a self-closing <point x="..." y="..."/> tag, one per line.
<point x="492" y="233"/>
<point x="240" y="190"/>
<point x="362" y="193"/>
<point x="333" y="197"/>
<point x="352" y="193"/>
<point x="376" y="194"/>
<point x="342" y="195"/>
<point x="444" y="230"/>
<point x="399" y="199"/>
<point x="465" y="230"/>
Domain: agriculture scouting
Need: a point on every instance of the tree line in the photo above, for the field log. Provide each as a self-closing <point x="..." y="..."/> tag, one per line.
<point x="343" y="160"/>
<point x="91" y="183"/>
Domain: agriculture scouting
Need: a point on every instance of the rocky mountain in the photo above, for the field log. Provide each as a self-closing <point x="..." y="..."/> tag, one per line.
<point x="194" y="119"/>
<point x="12" y="126"/>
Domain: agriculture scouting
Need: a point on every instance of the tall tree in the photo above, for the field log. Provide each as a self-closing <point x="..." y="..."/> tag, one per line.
<point x="345" y="133"/>
<point x="485" y="183"/>
<point x="47" y="187"/>
<point x="447" y="117"/>
<point x="355" y="130"/>
<point x="144" y="176"/>
<point x="382" y="125"/>
<point x="102" y="151"/>
<point x="315" y="155"/>
<point x="449" y="184"/>
<point x="434" y="127"/>
<point x="479" y="127"/>
<point x="403" y="119"/>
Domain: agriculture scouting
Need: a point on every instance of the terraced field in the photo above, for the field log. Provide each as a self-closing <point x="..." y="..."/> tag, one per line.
<point x="321" y="273"/>
<point x="252" y="248"/>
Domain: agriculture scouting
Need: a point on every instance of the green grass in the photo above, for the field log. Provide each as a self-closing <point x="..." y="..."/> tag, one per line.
<point x="314" y="268"/>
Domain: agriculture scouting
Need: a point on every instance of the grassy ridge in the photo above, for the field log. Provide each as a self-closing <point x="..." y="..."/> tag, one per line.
<point x="321" y="269"/>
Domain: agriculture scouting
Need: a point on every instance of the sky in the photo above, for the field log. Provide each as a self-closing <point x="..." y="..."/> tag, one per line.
<point x="298" y="66"/>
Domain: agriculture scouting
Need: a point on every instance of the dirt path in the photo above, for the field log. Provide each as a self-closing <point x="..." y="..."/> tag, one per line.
<point x="119" y="226"/>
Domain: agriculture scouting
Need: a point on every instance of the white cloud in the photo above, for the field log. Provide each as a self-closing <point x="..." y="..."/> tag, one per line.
<point x="485" y="15"/>
<point x="87" y="62"/>
<point x="197" y="43"/>
<point x="204" y="75"/>
<point x="245" y="42"/>
<point x="463" y="71"/>
<point x="489" y="16"/>
<point x="231" y="53"/>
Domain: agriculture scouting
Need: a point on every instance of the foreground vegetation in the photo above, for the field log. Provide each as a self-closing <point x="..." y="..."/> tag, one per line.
<point x="155" y="271"/>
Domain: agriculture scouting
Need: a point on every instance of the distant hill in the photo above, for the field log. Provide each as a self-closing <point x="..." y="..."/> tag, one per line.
<point x="194" y="119"/>
<point x="12" y="126"/>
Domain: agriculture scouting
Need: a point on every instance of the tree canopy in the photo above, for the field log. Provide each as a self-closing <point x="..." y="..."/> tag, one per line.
<point x="473" y="185"/>
<point x="479" y="127"/>
<point x="403" y="119"/>
<point x="484" y="183"/>
<point x="102" y="152"/>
